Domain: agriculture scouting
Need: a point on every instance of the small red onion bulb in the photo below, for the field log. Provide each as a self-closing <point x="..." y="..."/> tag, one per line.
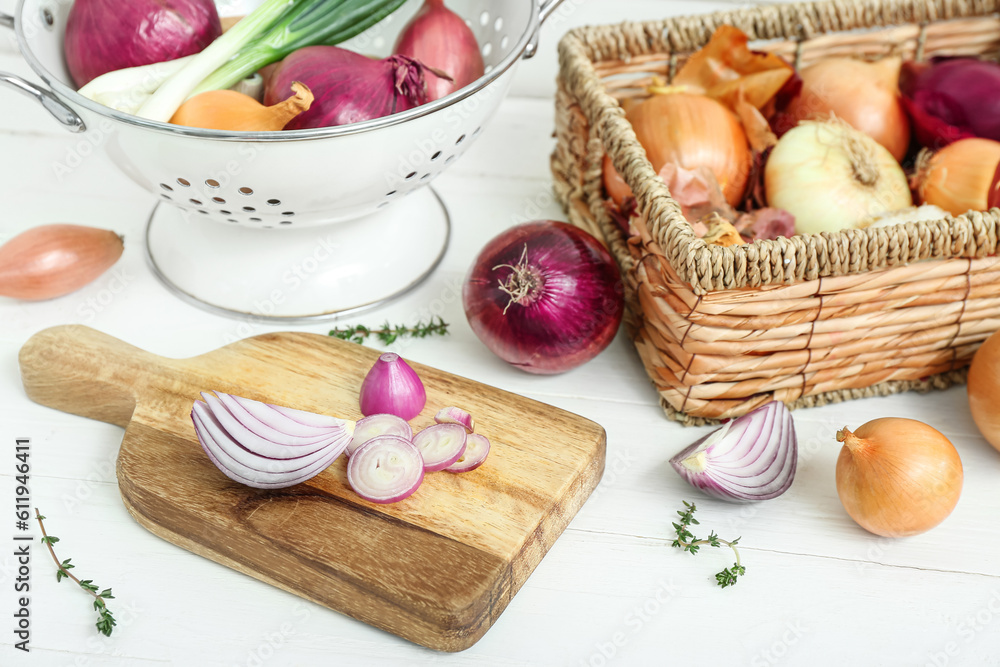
<point x="392" y="387"/>
<point x="544" y="296"/>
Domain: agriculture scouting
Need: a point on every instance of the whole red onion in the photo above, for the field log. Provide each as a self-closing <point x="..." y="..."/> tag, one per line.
<point x="107" y="35"/>
<point x="440" y="38"/>
<point x="544" y="296"/>
<point x="952" y="99"/>
<point x="348" y="86"/>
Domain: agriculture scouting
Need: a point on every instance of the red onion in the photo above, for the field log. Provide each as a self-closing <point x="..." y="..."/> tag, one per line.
<point x="456" y="416"/>
<point x="386" y="469"/>
<point x="477" y="448"/>
<point x="750" y="458"/>
<point x="263" y="446"/>
<point x="392" y="387"/>
<point x="544" y="296"/>
<point x="107" y="35"/>
<point x="440" y="38"/>
<point x="373" y="426"/>
<point x="349" y="87"/>
<point x="440" y="445"/>
<point x="952" y="99"/>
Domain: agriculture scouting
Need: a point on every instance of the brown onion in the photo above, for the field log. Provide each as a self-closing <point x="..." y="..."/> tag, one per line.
<point x="694" y="131"/>
<point x="984" y="389"/>
<point x="958" y="177"/>
<point x="52" y="260"/>
<point x="864" y="95"/>
<point x="898" y="477"/>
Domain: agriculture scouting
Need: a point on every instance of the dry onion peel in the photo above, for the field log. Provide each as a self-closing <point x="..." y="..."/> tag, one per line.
<point x="750" y="458"/>
<point x="234" y="111"/>
<point x="897" y="477"/>
<point x="830" y="176"/>
<point x="958" y="177"/>
<point x="984" y="389"/>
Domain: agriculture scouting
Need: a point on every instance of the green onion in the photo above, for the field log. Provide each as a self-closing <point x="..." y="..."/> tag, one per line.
<point x="165" y="101"/>
<point x="306" y="24"/>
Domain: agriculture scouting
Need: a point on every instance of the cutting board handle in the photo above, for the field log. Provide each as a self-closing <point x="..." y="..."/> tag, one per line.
<point x="82" y="371"/>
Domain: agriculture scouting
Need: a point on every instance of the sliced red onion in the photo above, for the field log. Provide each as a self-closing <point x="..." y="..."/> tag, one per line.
<point x="268" y="423"/>
<point x="247" y="457"/>
<point x="392" y="387"/>
<point x="477" y="448"/>
<point x="750" y="458"/>
<point x="385" y="469"/>
<point x="373" y="426"/>
<point x="441" y="445"/>
<point x="456" y="416"/>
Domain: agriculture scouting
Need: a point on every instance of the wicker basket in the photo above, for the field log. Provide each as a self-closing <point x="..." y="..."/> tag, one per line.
<point x="807" y="320"/>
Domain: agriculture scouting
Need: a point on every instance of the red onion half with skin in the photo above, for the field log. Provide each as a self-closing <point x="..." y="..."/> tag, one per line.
<point x="544" y="296"/>
<point x="349" y="87"/>
<point x="440" y="38"/>
<point x="952" y="99"/>
<point x="107" y="35"/>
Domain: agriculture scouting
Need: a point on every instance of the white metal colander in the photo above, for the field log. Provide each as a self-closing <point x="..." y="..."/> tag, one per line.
<point x="295" y="225"/>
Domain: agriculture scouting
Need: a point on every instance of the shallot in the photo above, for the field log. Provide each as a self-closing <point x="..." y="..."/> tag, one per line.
<point x="392" y="387"/>
<point x="386" y="469"/>
<point x="49" y="261"/>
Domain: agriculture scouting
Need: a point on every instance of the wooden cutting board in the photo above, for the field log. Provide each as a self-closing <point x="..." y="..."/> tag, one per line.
<point x="437" y="568"/>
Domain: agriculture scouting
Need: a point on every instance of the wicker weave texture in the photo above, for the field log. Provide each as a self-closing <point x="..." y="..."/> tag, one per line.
<point x="809" y="319"/>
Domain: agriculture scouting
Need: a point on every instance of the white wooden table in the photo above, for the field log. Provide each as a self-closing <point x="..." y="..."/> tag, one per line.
<point x="818" y="590"/>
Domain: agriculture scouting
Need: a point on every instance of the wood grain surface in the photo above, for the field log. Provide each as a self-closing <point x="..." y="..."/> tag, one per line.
<point x="437" y="568"/>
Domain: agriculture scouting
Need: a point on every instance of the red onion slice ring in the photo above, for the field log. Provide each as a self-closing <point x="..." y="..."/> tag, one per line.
<point x="477" y="448"/>
<point x="386" y="469"/>
<point x="440" y="445"/>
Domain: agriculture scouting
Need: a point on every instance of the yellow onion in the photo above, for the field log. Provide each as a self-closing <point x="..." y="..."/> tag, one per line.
<point x="830" y="176"/>
<point x="864" y="95"/>
<point x="984" y="389"/>
<point x="958" y="177"/>
<point x="694" y="131"/>
<point x="898" y="477"/>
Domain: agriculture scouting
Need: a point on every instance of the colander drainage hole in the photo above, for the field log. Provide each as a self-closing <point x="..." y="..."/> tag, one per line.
<point x="498" y="24"/>
<point x="195" y="202"/>
<point x="256" y="220"/>
<point x="449" y="159"/>
<point x="218" y="200"/>
<point x="246" y="191"/>
<point x="460" y="140"/>
<point x="274" y="202"/>
<point x="389" y="194"/>
<point x="249" y="209"/>
<point x="504" y="42"/>
<point x="410" y="175"/>
<point x="166" y="187"/>
<point x="477" y="131"/>
<point x="435" y="156"/>
<point x="184" y="182"/>
<point x="233" y="220"/>
<point x="226" y="212"/>
<point x="167" y="197"/>
<point x="203" y="211"/>
<point x="425" y="177"/>
<point x="487" y="49"/>
<point x="286" y="222"/>
<point x="382" y="204"/>
<point x="484" y="18"/>
<point x="212" y="183"/>
<point x="288" y="214"/>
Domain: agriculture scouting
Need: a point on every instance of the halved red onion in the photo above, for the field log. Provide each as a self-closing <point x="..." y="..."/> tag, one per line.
<point x="477" y="448"/>
<point x="245" y="456"/>
<point x="386" y="469"/>
<point x="750" y="458"/>
<point x="373" y="426"/>
<point x="458" y="416"/>
<point x="440" y="445"/>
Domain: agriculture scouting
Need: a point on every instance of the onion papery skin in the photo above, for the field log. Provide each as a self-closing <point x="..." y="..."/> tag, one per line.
<point x="862" y="94"/>
<point x="616" y="187"/>
<point x="107" y="35"/>
<point x="348" y="87"/>
<point x="958" y="177"/>
<point x="984" y="389"/>
<point x="392" y="387"/>
<point x="751" y="458"/>
<point x="694" y="131"/>
<point x="439" y="38"/>
<point x="952" y="99"/>
<point x="812" y="175"/>
<point x="898" y="477"/>
<point x="571" y="314"/>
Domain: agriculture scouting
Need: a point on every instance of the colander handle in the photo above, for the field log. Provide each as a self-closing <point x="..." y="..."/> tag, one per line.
<point x="545" y="10"/>
<point x="46" y="98"/>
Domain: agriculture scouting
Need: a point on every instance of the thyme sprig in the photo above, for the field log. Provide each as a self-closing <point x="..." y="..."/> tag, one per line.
<point x="105" y="620"/>
<point x="688" y="542"/>
<point x="388" y="333"/>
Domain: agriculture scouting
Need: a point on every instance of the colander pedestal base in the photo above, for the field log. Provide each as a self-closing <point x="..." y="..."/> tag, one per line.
<point x="300" y="274"/>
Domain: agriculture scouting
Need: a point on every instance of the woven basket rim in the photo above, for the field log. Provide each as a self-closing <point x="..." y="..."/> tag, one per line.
<point x="763" y="262"/>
